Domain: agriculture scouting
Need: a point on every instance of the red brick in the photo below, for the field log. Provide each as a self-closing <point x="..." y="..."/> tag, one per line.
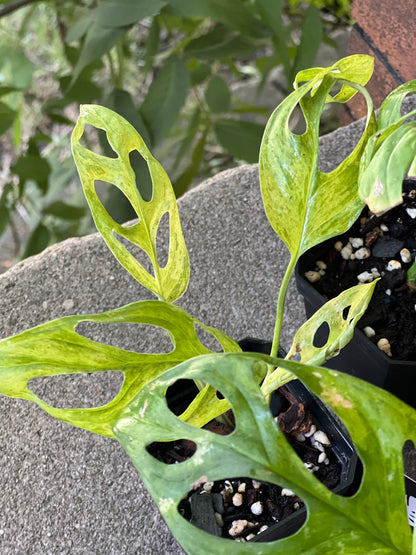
<point x="379" y="86"/>
<point x="392" y="28"/>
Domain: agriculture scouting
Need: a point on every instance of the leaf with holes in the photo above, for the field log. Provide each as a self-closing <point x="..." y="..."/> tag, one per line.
<point x="304" y="205"/>
<point x="341" y="315"/>
<point x="374" y="520"/>
<point x="169" y="281"/>
<point x="56" y="348"/>
<point x="332" y="325"/>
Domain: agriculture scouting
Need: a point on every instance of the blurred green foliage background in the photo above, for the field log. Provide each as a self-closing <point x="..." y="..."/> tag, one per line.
<point x="197" y="79"/>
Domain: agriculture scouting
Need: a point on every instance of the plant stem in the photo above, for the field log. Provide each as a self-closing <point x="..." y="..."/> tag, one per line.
<point x="281" y="307"/>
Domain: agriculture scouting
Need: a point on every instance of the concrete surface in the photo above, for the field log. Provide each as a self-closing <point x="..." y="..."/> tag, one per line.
<point x="66" y="491"/>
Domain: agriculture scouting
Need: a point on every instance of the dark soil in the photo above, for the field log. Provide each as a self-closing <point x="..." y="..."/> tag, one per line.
<point x="392" y="309"/>
<point x="212" y="505"/>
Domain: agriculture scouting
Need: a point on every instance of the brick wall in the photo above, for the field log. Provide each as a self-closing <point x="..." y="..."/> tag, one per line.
<point x="385" y="29"/>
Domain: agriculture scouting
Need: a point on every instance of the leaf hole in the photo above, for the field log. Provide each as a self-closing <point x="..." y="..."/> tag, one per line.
<point x="297" y="122"/>
<point x="142" y="174"/>
<point x="208" y="340"/>
<point x="172" y="452"/>
<point x="216" y="506"/>
<point x="345" y="312"/>
<point x="114" y="201"/>
<point x="320" y="339"/>
<point x="180" y="395"/>
<point x="162" y="240"/>
<point x="139" y="254"/>
<point x="139" y="338"/>
<point x="96" y="140"/>
<point x="81" y="391"/>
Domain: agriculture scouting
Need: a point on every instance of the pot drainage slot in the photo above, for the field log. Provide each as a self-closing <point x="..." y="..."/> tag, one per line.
<point x="244" y="509"/>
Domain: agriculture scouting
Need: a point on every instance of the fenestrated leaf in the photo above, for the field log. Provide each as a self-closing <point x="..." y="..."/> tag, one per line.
<point x="340" y="326"/>
<point x="304" y="205"/>
<point x="373" y="521"/>
<point x="389" y="154"/>
<point x="241" y="138"/>
<point x="357" y="68"/>
<point x="56" y="348"/>
<point x="170" y="281"/>
<point x="381" y="174"/>
<point x="165" y="98"/>
<point x="339" y="330"/>
<point x="390" y="109"/>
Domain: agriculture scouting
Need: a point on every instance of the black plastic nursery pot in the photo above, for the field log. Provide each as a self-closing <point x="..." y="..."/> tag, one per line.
<point x="361" y="357"/>
<point x="341" y="446"/>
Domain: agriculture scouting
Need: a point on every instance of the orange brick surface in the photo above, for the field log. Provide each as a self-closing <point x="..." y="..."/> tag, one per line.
<point x="385" y="30"/>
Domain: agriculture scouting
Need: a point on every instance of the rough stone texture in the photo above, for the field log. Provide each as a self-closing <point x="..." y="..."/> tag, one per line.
<point x="66" y="491"/>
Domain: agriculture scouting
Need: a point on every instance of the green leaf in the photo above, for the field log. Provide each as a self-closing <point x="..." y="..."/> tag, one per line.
<point x="217" y="95"/>
<point x="390" y="153"/>
<point x="121" y="101"/>
<point x="340" y="326"/>
<point x="374" y="520"/>
<point x="390" y="109"/>
<point x="55" y="348"/>
<point x="218" y="44"/>
<point x="98" y="41"/>
<point x="232" y="13"/>
<point x="152" y="44"/>
<point x="64" y="211"/>
<point x="190" y="134"/>
<point x="241" y="138"/>
<point x="119" y="13"/>
<point x="165" y="98"/>
<point x="304" y="205"/>
<point x="272" y="15"/>
<point x="6" y="206"/>
<point x="32" y="167"/>
<point x="310" y="41"/>
<point x="7" y="117"/>
<point x="37" y="242"/>
<point x="198" y="72"/>
<point x="381" y="174"/>
<point x="185" y="179"/>
<point x="170" y="281"/>
<point x="16" y="70"/>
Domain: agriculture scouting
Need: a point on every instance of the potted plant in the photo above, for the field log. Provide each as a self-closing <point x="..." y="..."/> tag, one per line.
<point x="374" y="520"/>
<point x="380" y="243"/>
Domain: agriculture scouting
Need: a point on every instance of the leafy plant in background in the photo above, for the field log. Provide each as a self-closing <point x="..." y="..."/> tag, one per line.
<point x="374" y="520"/>
<point x="150" y="62"/>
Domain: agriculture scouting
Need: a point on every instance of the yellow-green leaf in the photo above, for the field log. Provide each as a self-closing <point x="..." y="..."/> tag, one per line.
<point x="170" y="280"/>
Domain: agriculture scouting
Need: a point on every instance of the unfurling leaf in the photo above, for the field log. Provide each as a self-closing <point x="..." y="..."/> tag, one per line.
<point x="56" y="348"/>
<point x="170" y="280"/>
<point x="374" y="520"/>
<point x="390" y="153"/>
<point x="304" y="205"/>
